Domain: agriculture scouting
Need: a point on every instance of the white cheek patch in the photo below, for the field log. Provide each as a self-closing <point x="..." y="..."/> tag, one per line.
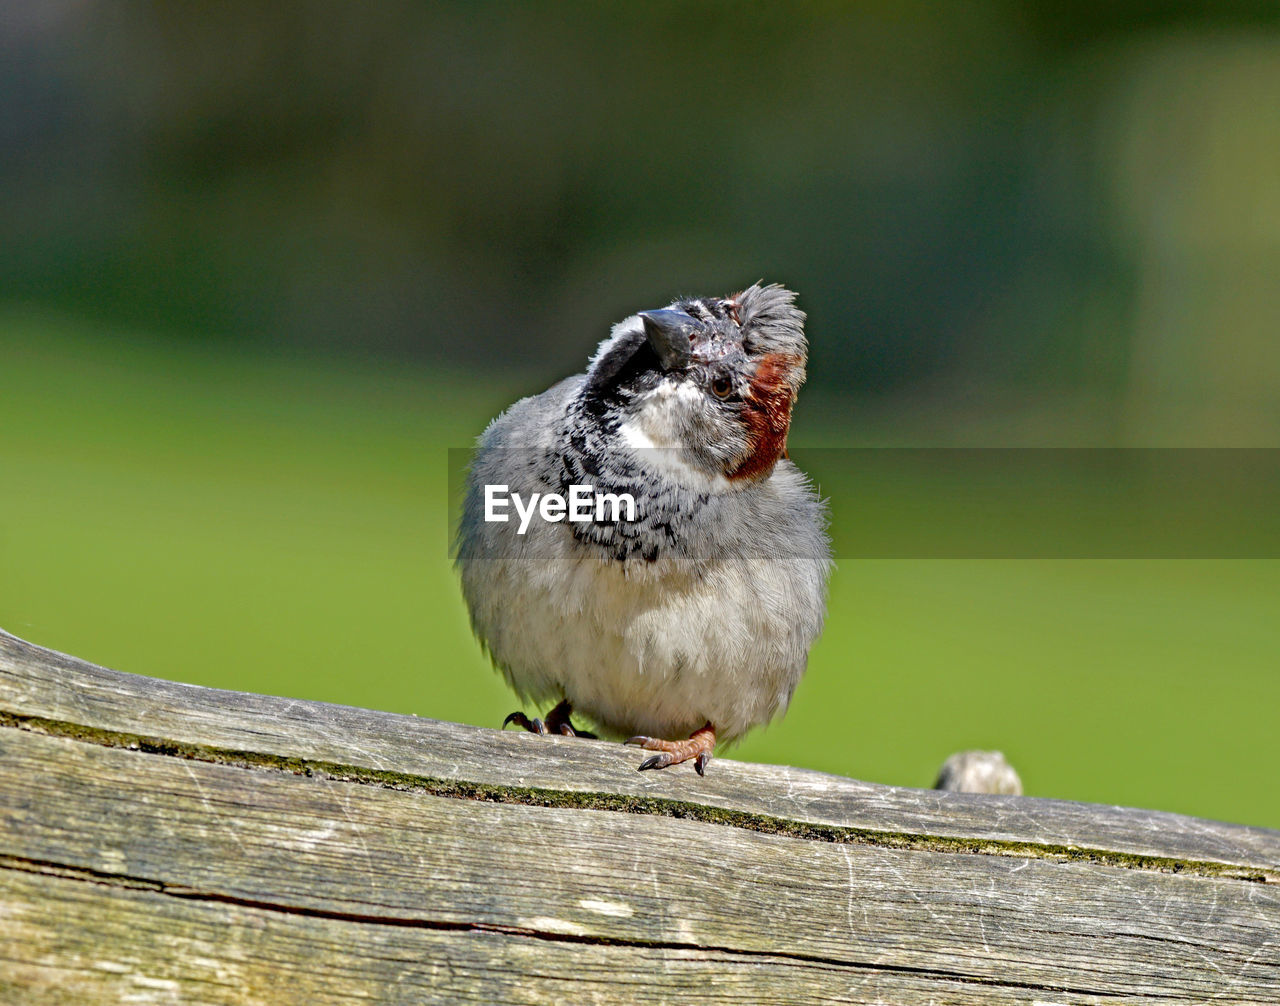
<point x="663" y="413"/>
<point x="656" y="429"/>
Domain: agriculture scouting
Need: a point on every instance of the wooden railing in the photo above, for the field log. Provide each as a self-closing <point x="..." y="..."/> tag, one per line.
<point x="162" y="842"/>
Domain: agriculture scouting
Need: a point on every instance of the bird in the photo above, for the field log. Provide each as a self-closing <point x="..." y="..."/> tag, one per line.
<point x="684" y="624"/>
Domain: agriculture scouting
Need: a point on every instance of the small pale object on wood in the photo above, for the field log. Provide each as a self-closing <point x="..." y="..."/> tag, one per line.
<point x="978" y="772"/>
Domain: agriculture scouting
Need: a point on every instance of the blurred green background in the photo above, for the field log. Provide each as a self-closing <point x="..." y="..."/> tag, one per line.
<point x="261" y="266"/>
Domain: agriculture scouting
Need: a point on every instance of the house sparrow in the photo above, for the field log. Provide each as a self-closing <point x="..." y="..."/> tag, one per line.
<point x="689" y="620"/>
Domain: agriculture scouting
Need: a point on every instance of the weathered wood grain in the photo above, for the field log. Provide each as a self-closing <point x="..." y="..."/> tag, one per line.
<point x="162" y="843"/>
<point x="299" y="844"/>
<point x="41" y="683"/>
<point x="134" y="946"/>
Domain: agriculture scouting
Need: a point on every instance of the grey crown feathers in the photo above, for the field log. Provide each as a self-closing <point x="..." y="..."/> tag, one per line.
<point x="691" y="623"/>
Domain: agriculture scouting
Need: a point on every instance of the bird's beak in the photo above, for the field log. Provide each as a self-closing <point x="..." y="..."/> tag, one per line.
<point x="671" y="333"/>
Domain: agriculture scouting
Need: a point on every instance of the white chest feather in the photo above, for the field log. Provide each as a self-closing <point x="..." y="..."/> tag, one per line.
<point x="657" y="432"/>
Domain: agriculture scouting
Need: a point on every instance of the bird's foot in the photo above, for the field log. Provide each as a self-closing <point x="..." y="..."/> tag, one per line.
<point x="557" y="722"/>
<point x="698" y="747"/>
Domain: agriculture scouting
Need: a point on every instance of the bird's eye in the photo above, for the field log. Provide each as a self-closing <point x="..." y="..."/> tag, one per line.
<point x="721" y="387"/>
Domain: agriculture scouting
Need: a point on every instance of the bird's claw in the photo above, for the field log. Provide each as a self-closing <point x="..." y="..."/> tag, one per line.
<point x="534" y="726"/>
<point x="697" y="748"/>
<point x="664" y="759"/>
<point x="557" y="722"/>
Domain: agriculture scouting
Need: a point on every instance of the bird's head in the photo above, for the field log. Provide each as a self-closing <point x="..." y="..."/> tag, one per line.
<point x="703" y="389"/>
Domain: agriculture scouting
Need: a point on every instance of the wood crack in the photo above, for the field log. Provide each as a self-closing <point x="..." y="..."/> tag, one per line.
<point x="87" y="875"/>
<point x="621" y="803"/>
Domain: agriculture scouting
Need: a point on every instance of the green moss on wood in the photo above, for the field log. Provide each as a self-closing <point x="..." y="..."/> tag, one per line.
<point x="627" y="804"/>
